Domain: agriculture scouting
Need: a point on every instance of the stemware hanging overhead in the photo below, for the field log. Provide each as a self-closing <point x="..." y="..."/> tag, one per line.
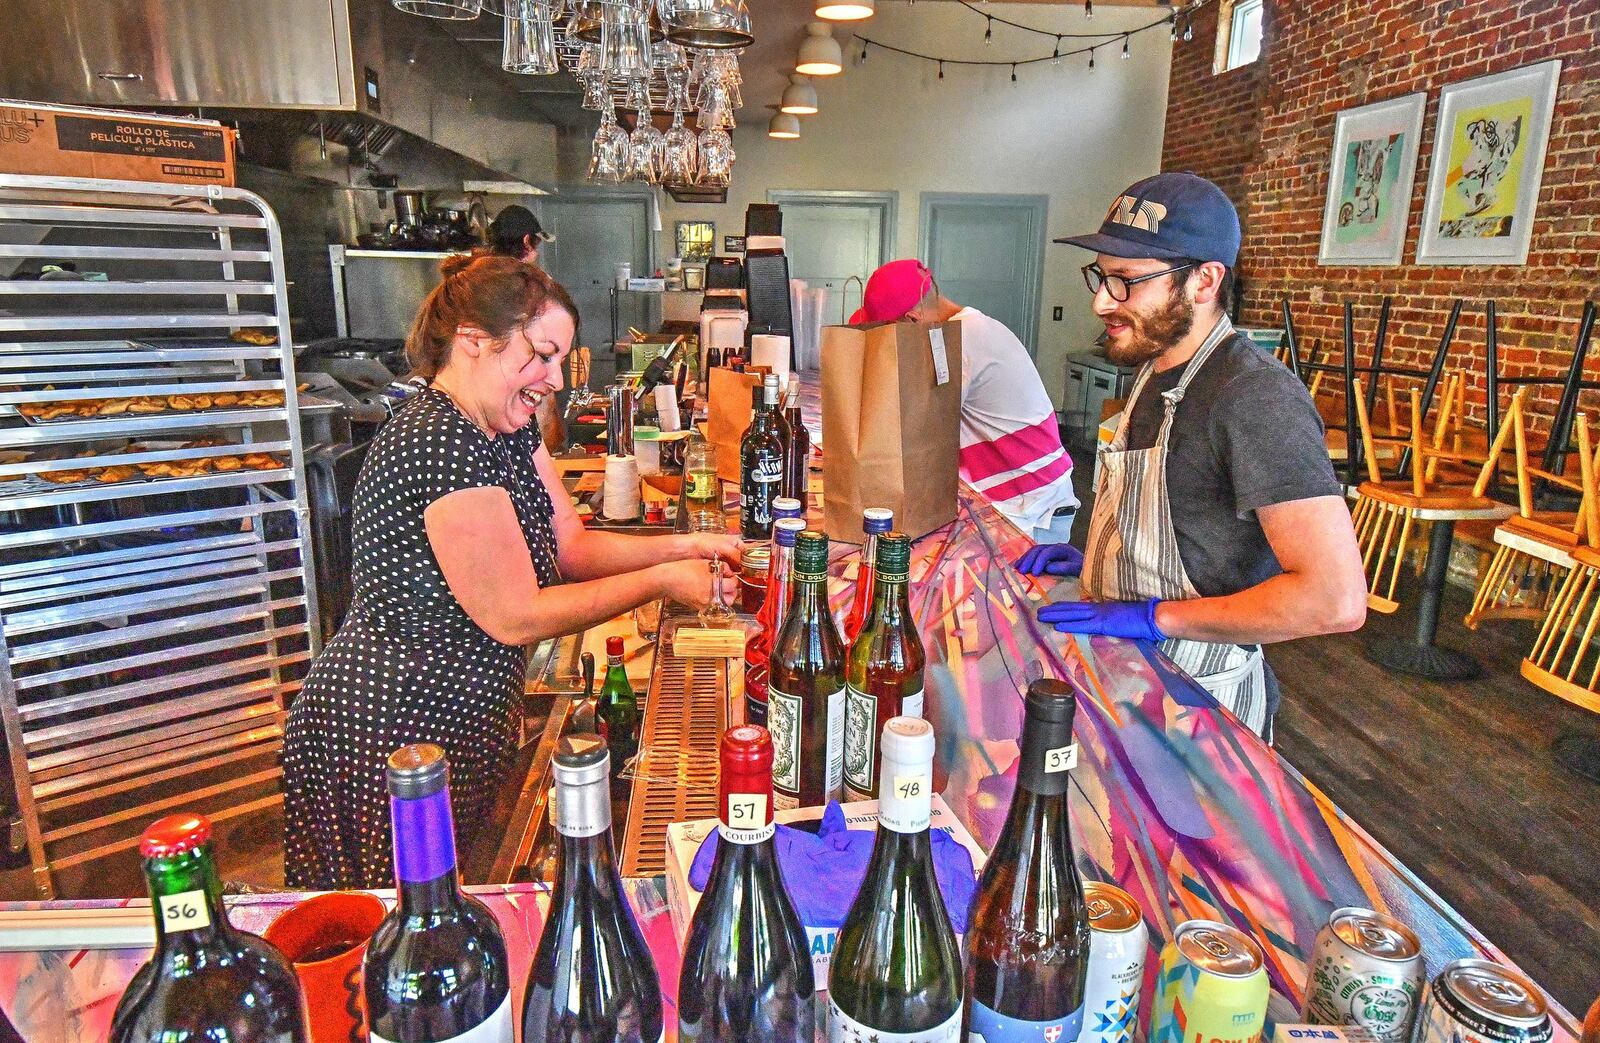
<point x="680" y="158"/>
<point x="716" y="24"/>
<point x="453" y="10"/>
<point x="625" y="41"/>
<point x="716" y="157"/>
<point x="608" y="161"/>
<point x="530" y="39"/>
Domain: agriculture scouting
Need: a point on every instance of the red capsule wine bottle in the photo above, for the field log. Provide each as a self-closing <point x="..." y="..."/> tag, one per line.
<point x="883" y="669"/>
<point x="436" y="968"/>
<point x="895" y="972"/>
<point x="746" y="963"/>
<point x="1028" y="933"/>
<point x="592" y="979"/>
<point x="206" y="979"/>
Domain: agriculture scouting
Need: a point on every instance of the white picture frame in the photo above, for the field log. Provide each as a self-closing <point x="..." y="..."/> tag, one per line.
<point x="1486" y="167"/>
<point x="1370" y="176"/>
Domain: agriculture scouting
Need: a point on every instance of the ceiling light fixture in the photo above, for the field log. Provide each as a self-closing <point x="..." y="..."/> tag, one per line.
<point x="845" y="10"/>
<point x="784" y="126"/>
<point x="819" y="52"/>
<point x="799" y="98"/>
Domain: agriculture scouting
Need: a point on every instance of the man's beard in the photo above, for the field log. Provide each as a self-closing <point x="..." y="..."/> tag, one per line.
<point x="1152" y="333"/>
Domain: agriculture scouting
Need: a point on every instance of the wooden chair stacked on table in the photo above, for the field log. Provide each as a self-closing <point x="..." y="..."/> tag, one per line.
<point x="1391" y="517"/>
<point x="1532" y="548"/>
<point x="1565" y="660"/>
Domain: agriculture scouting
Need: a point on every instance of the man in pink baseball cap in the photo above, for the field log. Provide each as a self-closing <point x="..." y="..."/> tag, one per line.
<point x="1011" y="447"/>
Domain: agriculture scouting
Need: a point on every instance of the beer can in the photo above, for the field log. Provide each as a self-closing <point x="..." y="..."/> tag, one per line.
<point x="1211" y="987"/>
<point x="1366" y="970"/>
<point x="1118" y="940"/>
<point x="1476" y="1001"/>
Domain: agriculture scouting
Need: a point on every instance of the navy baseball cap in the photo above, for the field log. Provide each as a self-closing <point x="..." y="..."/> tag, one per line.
<point x="1168" y="217"/>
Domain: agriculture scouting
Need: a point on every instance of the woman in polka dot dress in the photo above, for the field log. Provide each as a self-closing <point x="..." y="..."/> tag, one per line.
<point x="462" y="555"/>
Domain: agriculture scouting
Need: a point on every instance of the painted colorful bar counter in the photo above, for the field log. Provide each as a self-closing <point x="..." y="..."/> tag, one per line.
<point x="1175" y="801"/>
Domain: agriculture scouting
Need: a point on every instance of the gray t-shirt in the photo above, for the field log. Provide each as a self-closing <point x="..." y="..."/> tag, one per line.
<point x="1246" y="436"/>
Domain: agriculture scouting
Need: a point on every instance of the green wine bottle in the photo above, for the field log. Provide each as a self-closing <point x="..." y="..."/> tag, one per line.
<point x="805" y="687"/>
<point x="895" y="973"/>
<point x="617" y="707"/>
<point x="883" y="672"/>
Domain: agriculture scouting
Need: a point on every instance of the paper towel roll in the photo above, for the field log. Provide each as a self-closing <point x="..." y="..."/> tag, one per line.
<point x="772" y="351"/>
<point x="622" y="487"/>
<point x="667" y="408"/>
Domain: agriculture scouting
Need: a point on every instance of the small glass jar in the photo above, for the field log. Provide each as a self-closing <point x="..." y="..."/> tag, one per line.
<point x="753" y="577"/>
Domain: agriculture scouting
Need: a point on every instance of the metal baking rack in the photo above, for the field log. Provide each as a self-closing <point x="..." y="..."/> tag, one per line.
<point x="151" y="631"/>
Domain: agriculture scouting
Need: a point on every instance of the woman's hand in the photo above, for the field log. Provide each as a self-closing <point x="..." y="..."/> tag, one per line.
<point x="688" y="581"/>
<point x="707" y="545"/>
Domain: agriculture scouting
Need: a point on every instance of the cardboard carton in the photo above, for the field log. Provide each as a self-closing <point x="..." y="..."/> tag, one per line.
<point x="69" y="141"/>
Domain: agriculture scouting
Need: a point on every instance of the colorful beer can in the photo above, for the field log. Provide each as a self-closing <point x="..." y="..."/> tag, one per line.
<point x="1477" y="1001"/>
<point x="1366" y="970"/>
<point x="1118" y="940"/>
<point x="1211" y="987"/>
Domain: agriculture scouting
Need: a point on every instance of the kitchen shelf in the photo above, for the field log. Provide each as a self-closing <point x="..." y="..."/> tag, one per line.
<point x="155" y="619"/>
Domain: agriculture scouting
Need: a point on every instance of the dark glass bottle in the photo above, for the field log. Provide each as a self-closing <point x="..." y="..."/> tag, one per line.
<point x="436" y="968"/>
<point x="617" y="707"/>
<point x="1028" y="933"/>
<point x="746" y="964"/>
<point x="805" y="687"/>
<point x="762" y="453"/>
<point x="895" y="969"/>
<point x="875" y="522"/>
<point x="592" y="978"/>
<point x="206" y="979"/>
<point x="797" y="457"/>
<point x="883" y="671"/>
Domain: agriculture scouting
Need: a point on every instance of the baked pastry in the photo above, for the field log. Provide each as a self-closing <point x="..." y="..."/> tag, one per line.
<point x="119" y="473"/>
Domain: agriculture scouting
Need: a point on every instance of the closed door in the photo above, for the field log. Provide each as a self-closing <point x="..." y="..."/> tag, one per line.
<point x="987" y="251"/>
<point x="831" y="237"/>
<point x="593" y="235"/>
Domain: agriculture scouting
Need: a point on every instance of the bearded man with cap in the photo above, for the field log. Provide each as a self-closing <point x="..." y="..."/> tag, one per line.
<point x="515" y="232"/>
<point x="1011" y="447"/>
<point x="1217" y="524"/>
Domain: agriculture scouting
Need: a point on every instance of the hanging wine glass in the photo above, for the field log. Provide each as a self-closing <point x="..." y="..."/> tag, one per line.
<point x="608" y="160"/>
<point x="624" y="41"/>
<point x="646" y="144"/>
<point x="530" y="41"/>
<point x="716" y="157"/>
<point x="680" y="153"/>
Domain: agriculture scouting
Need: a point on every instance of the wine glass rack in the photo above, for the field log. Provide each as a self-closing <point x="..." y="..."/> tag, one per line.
<point x="157" y="596"/>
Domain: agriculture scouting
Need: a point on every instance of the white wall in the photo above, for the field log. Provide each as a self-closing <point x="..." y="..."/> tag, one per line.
<point x="889" y="124"/>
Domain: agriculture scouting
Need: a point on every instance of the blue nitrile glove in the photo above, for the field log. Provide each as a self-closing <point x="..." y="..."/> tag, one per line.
<point x="823" y="870"/>
<point x="1053" y="559"/>
<point x="1135" y="619"/>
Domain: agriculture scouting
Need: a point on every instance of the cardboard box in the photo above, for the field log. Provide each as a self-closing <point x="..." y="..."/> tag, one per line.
<point x="685" y="838"/>
<point x="69" y="141"/>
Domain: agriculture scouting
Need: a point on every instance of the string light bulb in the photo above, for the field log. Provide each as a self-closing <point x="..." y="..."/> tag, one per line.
<point x="1126" y="54"/>
<point x="1174" y="28"/>
<point x="1091" y="59"/>
<point x="941" y="70"/>
<point x="863" y="50"/>
<point x="1055" y="59"/>
<point x="1088" y="9"/>
<point x="1013" y="72"/>
<point x="1188" y="29"/>
<point x="988" y="32"/>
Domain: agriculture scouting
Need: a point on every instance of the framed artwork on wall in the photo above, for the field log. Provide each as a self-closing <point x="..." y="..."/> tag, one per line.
<point x="1488" y="160"/>
<point x="1369" y="182"/>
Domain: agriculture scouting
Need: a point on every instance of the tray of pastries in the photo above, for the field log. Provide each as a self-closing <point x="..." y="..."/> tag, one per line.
<point x="89" y="475"/>
<point x="146" y="405"/>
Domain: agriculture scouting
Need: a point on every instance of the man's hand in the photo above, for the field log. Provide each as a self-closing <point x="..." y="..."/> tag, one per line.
<point x="1053" y="559"/>
<point x="1134" y="619"/>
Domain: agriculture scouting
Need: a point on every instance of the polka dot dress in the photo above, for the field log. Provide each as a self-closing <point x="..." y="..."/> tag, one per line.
<point x="408" y="665"/>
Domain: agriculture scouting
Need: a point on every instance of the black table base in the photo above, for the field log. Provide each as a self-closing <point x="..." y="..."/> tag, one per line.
<point x="1419" y="656"/>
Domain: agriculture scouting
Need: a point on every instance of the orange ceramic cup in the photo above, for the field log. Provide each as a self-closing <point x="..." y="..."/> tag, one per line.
<point x="326" y="939"/>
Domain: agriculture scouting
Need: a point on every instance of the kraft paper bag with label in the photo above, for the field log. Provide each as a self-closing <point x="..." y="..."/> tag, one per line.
<point x="729" y="405"/>
<point x="891" y="415"/>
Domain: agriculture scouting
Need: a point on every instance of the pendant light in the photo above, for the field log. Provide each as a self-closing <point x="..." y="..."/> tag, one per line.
<point x="819" y="52"/>
<point x="845" y="10"/>
<point x="784" y="126"/>
<point x="799" y="98"/>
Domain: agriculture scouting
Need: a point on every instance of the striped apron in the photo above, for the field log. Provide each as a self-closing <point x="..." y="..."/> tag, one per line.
<point x="1132" y="550"/>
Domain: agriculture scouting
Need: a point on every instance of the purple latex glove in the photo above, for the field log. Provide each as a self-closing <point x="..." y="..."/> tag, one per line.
<point x="823" y="870"/>
<point x="1053" y="559"/>
<point x="1135" y="619"/>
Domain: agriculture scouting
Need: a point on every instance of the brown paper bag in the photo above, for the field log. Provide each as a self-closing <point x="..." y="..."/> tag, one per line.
<point x="729" y="397"/>
<point x="891" y="432"/>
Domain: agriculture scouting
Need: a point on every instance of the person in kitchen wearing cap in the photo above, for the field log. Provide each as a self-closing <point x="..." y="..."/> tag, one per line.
<point x="515" y="232"/>
<point x="1011" y="447"/>
<point x="1217" y="524"/>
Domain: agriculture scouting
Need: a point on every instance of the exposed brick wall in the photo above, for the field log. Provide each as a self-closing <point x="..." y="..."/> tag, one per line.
<point x="1322" y="57"/>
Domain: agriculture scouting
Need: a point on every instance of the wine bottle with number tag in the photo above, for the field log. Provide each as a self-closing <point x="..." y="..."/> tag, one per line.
<point x="895" y="973"/>
<point x="1028" y="933"/>
<point x="592" y="979"/>
<point x="206" y="979"/>
<point x="436" y="968"/>
<point x="746" y="964"/>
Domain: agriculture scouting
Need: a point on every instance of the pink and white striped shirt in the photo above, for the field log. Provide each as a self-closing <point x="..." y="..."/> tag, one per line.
<point x="1011" y="447"/>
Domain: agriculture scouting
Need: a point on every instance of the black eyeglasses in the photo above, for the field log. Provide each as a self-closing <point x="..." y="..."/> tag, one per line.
<point x="1118" y="286"/>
